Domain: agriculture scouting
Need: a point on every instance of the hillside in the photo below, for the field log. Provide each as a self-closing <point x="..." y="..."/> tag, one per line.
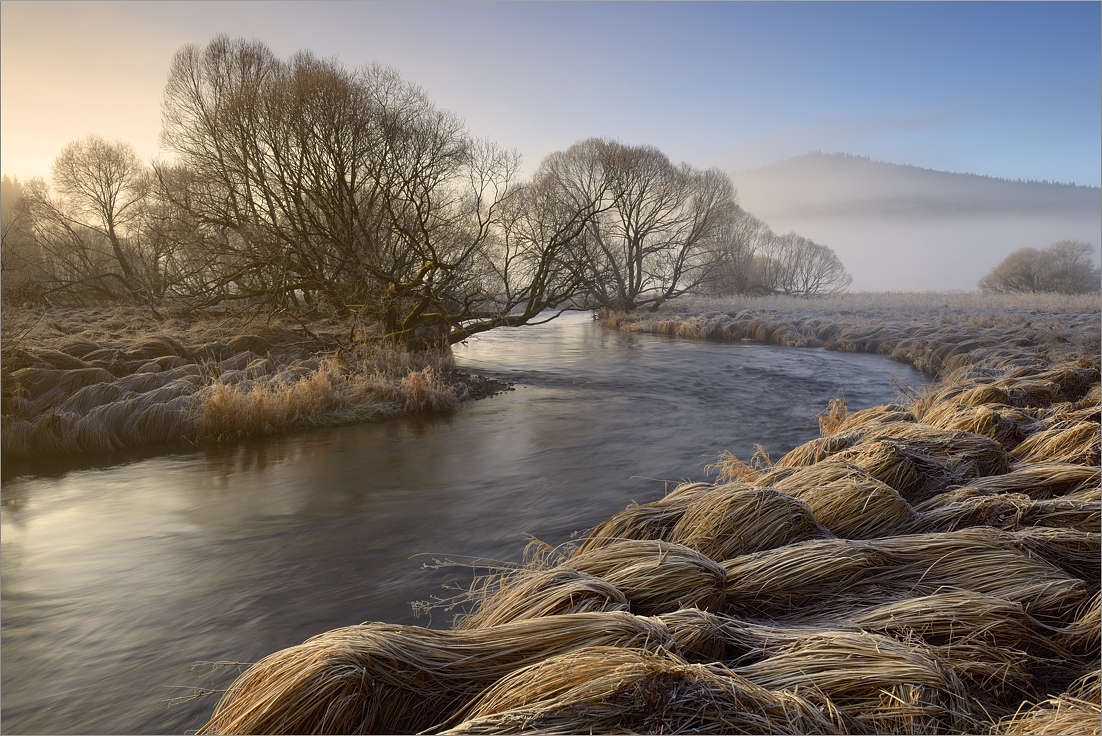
<point x="900" y="227"/>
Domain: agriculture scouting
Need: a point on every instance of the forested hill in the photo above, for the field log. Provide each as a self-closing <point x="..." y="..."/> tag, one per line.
<point x="819" y="185"/>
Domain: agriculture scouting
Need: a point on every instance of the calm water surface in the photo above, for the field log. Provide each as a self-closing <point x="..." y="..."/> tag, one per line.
<point x="119" y="581"/>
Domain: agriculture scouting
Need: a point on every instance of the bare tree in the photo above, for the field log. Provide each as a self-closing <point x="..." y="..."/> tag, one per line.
<point x="755" y="260"/>
<point x="652" y="238"/>
<point x="741" y="239"/>
<point x="20" y="263"/>
<point x="103" y="186"/>
<point x="89" y="229"/>
<point x="809" y="269"/>
<point x="1064" y="267"/>
<point x="318" y="186"/>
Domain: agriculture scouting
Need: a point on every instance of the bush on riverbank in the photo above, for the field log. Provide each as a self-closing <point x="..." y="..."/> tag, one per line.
<point x="903" y="573"/>
<point x="105" y="379"/>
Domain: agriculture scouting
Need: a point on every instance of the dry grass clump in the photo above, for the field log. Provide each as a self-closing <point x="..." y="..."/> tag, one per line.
<point x="1040" y="480"/>
<point x="966" y="507"/>
<point x="655" y="576"/>
<point x="1015" y="568"/>
<point x="533" y="593"/>
<point x="971" y="455"/>
<point x="648" y="521"/>
<point x="1083" y="634"/>
<point x="985" y="561"/>
<point x="848" y="501"/>
<point x="1078" y="553"/>
<point x="947" y="618"/>
<point x="237" y="410"/>
<point x="384" y="678"/>
<point x="611" y="690"/>
<point x="736" y="519"/>
<point x="775" y="582"/>
<point x="1077" y="711"/>
<point x="883" y="685"/>
<point x="1006" y="425"/>
<point x="918" y="460"/>
<point x="837" y="417"/>
<point x="888" y="461"/>
<point x="1068" y="442"/>
<point x="818" y="450"/>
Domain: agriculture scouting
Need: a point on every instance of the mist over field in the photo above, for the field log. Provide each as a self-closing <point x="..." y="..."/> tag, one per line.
<point x="900" y="227"/>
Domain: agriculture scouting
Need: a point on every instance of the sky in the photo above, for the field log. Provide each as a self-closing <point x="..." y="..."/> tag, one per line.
<point x="1008" y="90"/>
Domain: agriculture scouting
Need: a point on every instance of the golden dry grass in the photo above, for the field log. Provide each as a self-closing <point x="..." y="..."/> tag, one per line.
<point x="655" y="576"/>
<point x="615" y="690"/>
<point x="736" y="519"/>
<point x="383" y="678"/>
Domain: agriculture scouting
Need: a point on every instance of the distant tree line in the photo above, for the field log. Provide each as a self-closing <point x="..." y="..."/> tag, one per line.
<point x="299" y="184"/>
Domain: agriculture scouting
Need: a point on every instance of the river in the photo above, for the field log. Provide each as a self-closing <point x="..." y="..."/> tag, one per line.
<point x="119" y="581"/>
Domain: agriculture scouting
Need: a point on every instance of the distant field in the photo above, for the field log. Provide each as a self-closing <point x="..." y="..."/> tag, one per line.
<point x="933" y="331"/>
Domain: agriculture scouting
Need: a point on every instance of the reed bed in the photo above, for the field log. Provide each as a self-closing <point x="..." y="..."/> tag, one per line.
<point x="928" y="566"/>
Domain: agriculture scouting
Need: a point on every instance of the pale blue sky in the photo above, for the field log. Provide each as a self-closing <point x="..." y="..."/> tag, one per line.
<point x="1002" y="89"/>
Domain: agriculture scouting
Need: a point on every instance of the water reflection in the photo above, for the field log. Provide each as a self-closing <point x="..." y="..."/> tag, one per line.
<point x="116" y="580"/>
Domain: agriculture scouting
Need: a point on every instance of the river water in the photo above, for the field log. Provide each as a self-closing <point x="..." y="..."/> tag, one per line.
<point x="120" y="581"/>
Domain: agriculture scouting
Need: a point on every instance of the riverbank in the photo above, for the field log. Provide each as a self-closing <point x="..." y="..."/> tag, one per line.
<point x="103" y="379"/>
<point x="936" y="333"/>
<point x="928" y="566"/>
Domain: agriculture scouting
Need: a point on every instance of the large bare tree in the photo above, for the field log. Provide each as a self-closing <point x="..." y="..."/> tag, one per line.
<point x="653" y="237"/>
<point x="315" y="185"/>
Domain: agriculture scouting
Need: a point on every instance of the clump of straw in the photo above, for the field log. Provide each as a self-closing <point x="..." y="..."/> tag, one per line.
<point x="737" y="519"/>
<point x="532" y="593"/>
<point x="604" y="690"/>
<point x="814" y="451"/>
<point x="384" y="678"/>
<point x="1068" y="442"/>
<point x="868" y="419"/>
<point x="966" y="506"/>
<point x="230" y="411"/>
<point x="981" y="560"/>
<point x="657" y="577"/>
<point x="848" y="501"/>
<point x="1077" y="711"/>
<point x="882" y="684"/>
<point x="647" y="521"/>
<point x="777" y="581"/>
<point x="1039" y="480"/>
